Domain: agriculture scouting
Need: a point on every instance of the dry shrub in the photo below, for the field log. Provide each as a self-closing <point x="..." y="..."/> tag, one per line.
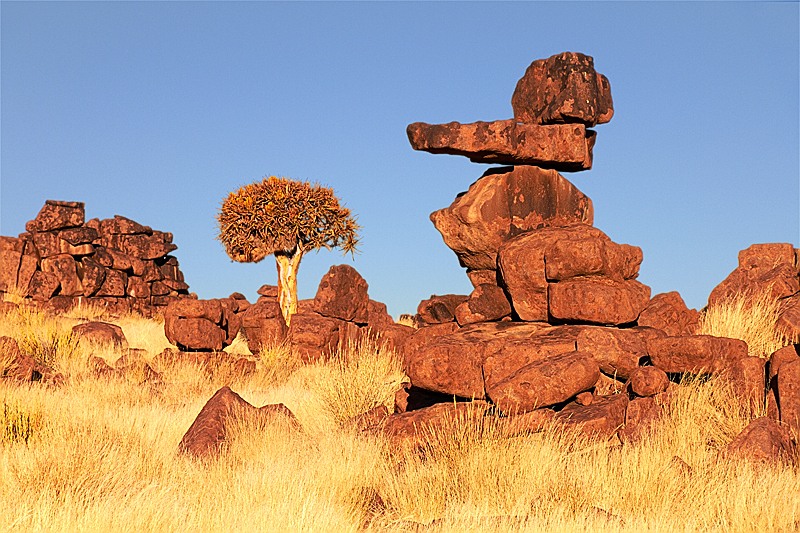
<point x="749" y="317"/>
<point x="46" y="338"/>
<point x="358" y="379"/>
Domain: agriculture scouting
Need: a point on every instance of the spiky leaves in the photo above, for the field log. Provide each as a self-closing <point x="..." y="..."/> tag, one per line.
<point x="286" y="218"/>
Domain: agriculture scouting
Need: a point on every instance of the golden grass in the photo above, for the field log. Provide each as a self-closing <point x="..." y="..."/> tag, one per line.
<point x="749" y="317"/>
<point x="101" y="455"/>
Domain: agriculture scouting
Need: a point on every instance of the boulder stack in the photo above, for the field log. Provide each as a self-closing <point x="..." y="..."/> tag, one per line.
<point x="554" y="316"/>
<point x="63" y="260"/>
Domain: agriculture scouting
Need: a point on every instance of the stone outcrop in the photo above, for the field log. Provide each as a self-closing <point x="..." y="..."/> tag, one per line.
<point x="63" y="260"/>
<point x="668" y="312"/>
<point x="201" y="325"/>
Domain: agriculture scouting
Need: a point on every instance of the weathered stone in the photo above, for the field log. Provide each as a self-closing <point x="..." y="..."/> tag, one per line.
<point x="195" y="334"/>
<point x="439" y="309"/>
<point x="200" y="324"/>
<point x="648" y="381"/>
<point x="668" y="312"/>
<point x="122" y="225"/>
<point x="263" y="324"/>
<point x="175" y="285"/>
<point x="392" y="336"/>
<point x="313" y="336"/>
<point x="789" y="396"/>
<point x="423" y="336"/>
<point x="748" y="380"/>
<point x="125" y="263"/>
<point x="81" y="249"/>
<point x="415" y="428"/>
<point x="47" y="243"/>
<point x="377" y="314"/>
<point x="63" y="266"/>
<point x="524" y="423"/>
<point x="9" y="268"/>
<point x="564" y="147"/>
<point x="151" y="272"/>
<point x="158" y="288"/>
<point x="601" y="419"/>
<point x="523" y="270"/>
<point x="762" y="441"/>
<point x="342" y="294"/>
<point x="597" y="300"/>
<point x="618" y="352"/>
<point x="789" y="319"/>
<point x="137" y="288"/>
<point x="546" y="382"/>
<point x="189" y="308"/>
<point x="14" y="244"/>
<point x="517" y="345"/>
<point x="486" y="303"/>
<point x="141" y="246"/>
<point x="103" y="257"/>
<point x="503" y="203"/>
<point x="696" y="353"/>
<point x="209" y="430"/>
<point x="76" y="236"/>
<point x="57" y="215"/>
<point x="640" y="417"/>
<point x="27" y="269"/>
<point x="114" y="284"/>
<point x="43" y="285"/>
<point x="479" y="277"/>
<point x="762" y="267"/>
<point x="100" y="333"/>
<point x="591" y="256"/>
<point x="564" y="88"/>
<point x="778" y="358"/>
<point x="450" y="364"/>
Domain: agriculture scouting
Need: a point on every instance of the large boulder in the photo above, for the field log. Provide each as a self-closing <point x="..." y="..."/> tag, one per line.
<point x="57" y="215"/>
<point x="315" y="337"/>
<point x="209" y="431"/>
<point x="200" y="325"/>
<point x="618" y="352"/>
<point x="597" y="300"/>
<point x="564" y="88"/>
<point x="503" y="203"/>
<point x="668" y="312"/>
<point x="342" y="294"/>
<point x="486" y="303"/>
<point x="695" y="354"/>
<point x="100" y="333"/>
<point x="563" y="147"/>
<point x="762" y="441"/>
<point x="762" y="267"/>
<point x="263" y="324"/>
<point x="546" y="382"/>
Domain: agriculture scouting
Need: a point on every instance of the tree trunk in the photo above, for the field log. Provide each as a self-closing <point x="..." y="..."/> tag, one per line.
<point x="288" y="263"/>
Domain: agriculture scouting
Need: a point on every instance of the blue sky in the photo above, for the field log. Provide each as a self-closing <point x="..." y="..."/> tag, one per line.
<point x="156" y="110"/>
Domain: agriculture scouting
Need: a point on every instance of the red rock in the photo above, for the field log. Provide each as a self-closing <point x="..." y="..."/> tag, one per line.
<point x="313" y="336"/>
<point x="209" y="430"/>
<point x="57" y="215"/>
<point x="597" y="300"/>
<point x="14" y="244"/>
<point x="564" y="147"/>
<point x="762" y="441"/>
<point x="506" y="202"/>
<point x="151" y="272"/>
<point x="439" y="309"/>
<point x="423" y="336"/>
<point x="618" y="352"/>
<point x="762" y="267"/>
<point x="141" y="246"/>
<point x="695" y="353"/>
<point x="63" y="266"/>
<point x="342" y="294"/>
<point x="392" y="336"/>
<point x="27" y="269"/>
<point x="602" y="419"/>
<point x="748" y="379"/>
<point x="200" y="324"/>
<point x="789" y="320"/>
<point x="546" y="382"/>
<point x="47" y="244"/>
<point x="263" y="325"/>
<point x="523" y="270"/>
<point x="509" y="349"/>
<point x="126" y="263"/>
<point x="189" y="308"/>
<point x="648" y="381"/>
<point x="668" y="312"/>
<point x="43" y="285"/>
<point x="789" y="396"/>
<point x="591" y="256"/>
<point x="525" y="423"/>
<point x="415" y="428"/>
<point x="563" y="88"/>
<point x="486" y="303"/>
<point x="9" y="268"/>
<point x="100" y="333"/>
<point x="377" y="314"/>
<point x="122" y="225"/>
<point x="778" y="358"/>
<point x="195" y="334"/>
<point x="137" y="288"/>
<point x="175" y="285"/>
<point x="76" y="236"/>
<point x="479" y="277"/>
<point x="169" y="268"/>
<point x="449" y="364"/>
<point x="114" y="284"/>
<point x="81" y="249"/>
<point x="640" y="417"/>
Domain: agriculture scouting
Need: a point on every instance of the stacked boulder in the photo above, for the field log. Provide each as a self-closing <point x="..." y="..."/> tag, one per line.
<point x="557" y="319"/>
<point x="63" y="260"/>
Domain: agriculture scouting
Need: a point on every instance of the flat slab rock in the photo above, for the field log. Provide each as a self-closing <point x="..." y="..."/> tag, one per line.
<point x="563" y="147"/>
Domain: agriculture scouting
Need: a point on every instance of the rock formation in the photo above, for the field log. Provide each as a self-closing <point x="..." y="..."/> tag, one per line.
<point x="63" y="260"/>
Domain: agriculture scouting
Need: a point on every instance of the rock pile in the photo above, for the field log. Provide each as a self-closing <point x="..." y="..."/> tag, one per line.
<point x="62" y="260"/>
<point x="557" y="320"/>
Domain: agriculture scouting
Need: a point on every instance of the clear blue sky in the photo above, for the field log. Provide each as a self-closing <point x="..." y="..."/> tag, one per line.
<point x="156" y="110"/>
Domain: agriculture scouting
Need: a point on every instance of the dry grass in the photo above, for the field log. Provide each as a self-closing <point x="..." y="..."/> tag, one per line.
<point x="751" y="318"/>
<point x="101" y="455"/>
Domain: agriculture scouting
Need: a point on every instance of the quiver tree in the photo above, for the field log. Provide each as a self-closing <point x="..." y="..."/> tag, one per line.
<point x="286" y="218"/>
